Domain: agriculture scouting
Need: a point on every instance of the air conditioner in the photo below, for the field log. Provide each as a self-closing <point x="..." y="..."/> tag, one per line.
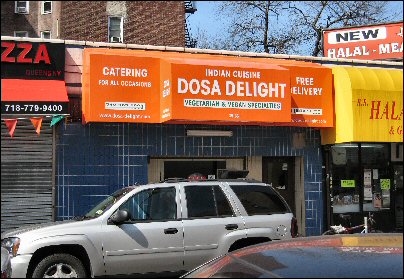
<point x="21" y="9"/>
<point x="115" y="39"/>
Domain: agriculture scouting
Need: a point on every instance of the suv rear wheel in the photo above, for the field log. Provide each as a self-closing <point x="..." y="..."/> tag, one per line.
<point x="60" y="266"/>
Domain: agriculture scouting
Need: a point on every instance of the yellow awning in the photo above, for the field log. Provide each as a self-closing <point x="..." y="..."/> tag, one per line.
<point x="368" y="106"/>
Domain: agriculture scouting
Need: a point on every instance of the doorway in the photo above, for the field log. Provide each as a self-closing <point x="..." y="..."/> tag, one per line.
<point x="286" y="175"/>
<point x="280" y="173"/>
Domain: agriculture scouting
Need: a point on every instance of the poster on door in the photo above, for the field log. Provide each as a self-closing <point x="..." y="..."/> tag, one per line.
<point x="367" y="185"/>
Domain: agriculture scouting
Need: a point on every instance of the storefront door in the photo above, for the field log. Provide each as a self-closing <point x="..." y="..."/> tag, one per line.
<point x="280" y="173"/>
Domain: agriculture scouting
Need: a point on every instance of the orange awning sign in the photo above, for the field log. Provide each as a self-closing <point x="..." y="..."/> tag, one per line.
<point x="122" y="89"/>
<point x="203" y="92"/>
<point x="157" y="87"/>
<point x="312" y="102"/>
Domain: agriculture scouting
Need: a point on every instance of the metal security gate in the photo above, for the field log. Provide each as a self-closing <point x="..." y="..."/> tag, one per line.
<point x="26" y="175"/>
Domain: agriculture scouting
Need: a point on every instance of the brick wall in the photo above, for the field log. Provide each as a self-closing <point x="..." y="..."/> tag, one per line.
<point x="145" y="22"/>
<point x="10" y="21"/>
<point x="84" y="21"/>
<point x="155" y="23"/>
<point x="49" y="21"/>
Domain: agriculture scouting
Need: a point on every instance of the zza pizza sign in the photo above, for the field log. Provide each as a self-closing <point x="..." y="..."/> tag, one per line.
<point x="373" y="42"/>
<point x="32" y="60"/>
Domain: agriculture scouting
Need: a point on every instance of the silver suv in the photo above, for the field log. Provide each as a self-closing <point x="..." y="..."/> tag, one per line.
<point x="165" y="227"/>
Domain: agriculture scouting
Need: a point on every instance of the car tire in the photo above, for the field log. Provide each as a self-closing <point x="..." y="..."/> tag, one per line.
<point x="60" y="265"/>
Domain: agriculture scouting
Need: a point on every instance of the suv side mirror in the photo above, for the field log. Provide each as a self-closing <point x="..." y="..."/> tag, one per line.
<point x="120" y="216"/>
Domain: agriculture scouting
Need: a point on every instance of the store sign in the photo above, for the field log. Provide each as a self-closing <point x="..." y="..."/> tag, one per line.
<point x="374" y="42"/>
<point x="125" y="88"/>
<point x="378" y="117"/>
<point x="311" y="91"/>
<point x="157" y="87"/>
<point x="223" y="91"/>
<point x="368" y="105"/>
<point x="32" y="60"/>
<point x="348" y="183"/>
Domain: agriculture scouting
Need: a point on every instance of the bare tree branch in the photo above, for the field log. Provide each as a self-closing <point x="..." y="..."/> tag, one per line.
<point x="289" y="27"/>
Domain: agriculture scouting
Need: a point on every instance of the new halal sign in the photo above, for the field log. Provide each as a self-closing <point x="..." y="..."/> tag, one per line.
<point x="32" y="60"/>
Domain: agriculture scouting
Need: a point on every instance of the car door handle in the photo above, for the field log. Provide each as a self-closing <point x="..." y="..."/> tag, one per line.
<point x="231" y="227"/>
<point x="170" y="231"/>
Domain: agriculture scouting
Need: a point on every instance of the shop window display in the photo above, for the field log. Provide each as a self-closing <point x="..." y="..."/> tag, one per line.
<point x="376" y="177"/>
<point x="360" y="177"/>
<point x="345" y="178"/>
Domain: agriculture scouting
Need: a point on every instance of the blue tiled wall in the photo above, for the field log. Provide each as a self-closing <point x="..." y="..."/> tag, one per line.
<point x="96" y="159"/>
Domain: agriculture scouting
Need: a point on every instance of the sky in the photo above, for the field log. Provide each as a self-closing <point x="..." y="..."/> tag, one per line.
<point x="205" y="18"/>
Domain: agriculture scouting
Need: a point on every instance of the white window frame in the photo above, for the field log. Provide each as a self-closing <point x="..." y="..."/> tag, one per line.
<point x="121" y="27"/>
<point x="43" y="8"/>
<point x="26" y="33"/>
<point x="46" y="31"/>
<point x="26" y="7"/>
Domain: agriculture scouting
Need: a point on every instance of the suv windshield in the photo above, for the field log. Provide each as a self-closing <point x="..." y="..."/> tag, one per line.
<point x="100" y="208"/>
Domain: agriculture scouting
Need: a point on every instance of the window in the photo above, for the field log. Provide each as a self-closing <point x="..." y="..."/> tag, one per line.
<point x="115" y="29"/>
<point x="21" y="7"/>
<point x="45" y="34"/>
<point x="207" y="201"/>
<point x="259" y="200"/>
<point x="20" y="33"/>
<point x="377" y="180"/>
<point x="346" y="177"/>
<point x="156" y="204"/>
<point x="46" y="7"/>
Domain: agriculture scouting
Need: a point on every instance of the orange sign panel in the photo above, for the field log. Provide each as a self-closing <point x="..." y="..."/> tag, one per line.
<point x="155" y="87"/>
<point x="311" y="93"/>
<point x="121" y="88"/>
<point x="231" y="91"/>
<point x="375" y="42"/>
<point x="311" y="90"/>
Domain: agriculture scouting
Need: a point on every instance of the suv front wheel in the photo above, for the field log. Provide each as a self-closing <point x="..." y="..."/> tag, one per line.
<point x="60" y="266"/>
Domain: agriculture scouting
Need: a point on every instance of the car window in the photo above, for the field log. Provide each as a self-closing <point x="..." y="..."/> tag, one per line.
<point x="207" y="201"/>
<point x="109" y="201"/>
<point x="259" y="200"/>
<point x="223" y="206"/>
<point x="152" y="204"/>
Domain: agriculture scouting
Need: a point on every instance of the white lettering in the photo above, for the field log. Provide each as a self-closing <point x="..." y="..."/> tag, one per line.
<point x="124" y="72"/>
<point x="182" y="90"/>
<point x="198" y="87"/>
<point x="232" y="90"/>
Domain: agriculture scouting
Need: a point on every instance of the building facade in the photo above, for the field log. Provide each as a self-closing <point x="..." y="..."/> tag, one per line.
<point x="91" y="160"/>
<point x="33" y="92"/>
<point x="82" y="161"/>
<point x="33" y="155"/>
<point x="133" y="22"/>
<point x="33" y="19"/>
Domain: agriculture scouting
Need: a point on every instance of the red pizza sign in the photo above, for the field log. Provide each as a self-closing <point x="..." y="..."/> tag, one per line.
<point x="375" y="42"/>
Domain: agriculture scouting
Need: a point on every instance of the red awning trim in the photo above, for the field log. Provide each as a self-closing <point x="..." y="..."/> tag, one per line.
<point x="14" y="90"/>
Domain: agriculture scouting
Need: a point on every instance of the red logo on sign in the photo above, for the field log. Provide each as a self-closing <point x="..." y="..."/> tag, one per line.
<point x="25" y="48"/>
